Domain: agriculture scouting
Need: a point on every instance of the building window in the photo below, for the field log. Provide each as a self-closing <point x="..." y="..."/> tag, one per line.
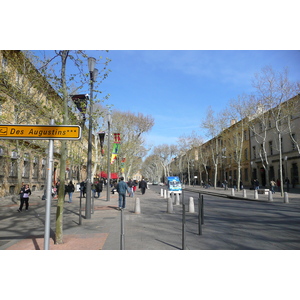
<point x="13" y="168"/>
<point x="271" y="147"/>
<point x="43" y="168"/>
<point x="26" y="165"/>
<point x="293" y="143"/>
<point x="246" y="175"/>
<point x="246" y="154"/>
<point x="271" y="173"/>
<point x="254" y="151"/>
<point x="295" y="174"/>
<point x="35" y="168"/>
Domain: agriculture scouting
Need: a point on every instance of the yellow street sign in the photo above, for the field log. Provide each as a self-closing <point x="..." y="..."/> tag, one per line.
<point x="37" y="132"/>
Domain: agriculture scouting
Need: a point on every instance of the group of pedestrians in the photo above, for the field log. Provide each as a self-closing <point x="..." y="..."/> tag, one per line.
<point x="129" y="189"/>
<point x="121" y="187"/>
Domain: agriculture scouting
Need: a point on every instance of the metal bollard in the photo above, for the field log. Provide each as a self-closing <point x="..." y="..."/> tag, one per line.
<point x="255" y="194"/>
<point x="80" y="205"/>
<point x="232" y="192"/>
<point x="93" y="202"/>
<point x="161" y="192"/>
<point x="199" y="215"/>
<point x="202" y="209"/>
<point x="244" y="194"/>
<point x="165" y="194"/>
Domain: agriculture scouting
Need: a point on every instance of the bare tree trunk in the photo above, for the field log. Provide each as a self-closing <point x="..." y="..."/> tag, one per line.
<point x="61" y="192"/>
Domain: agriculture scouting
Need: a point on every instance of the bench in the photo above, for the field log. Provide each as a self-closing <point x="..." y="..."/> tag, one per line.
<point x="263" y="191"/>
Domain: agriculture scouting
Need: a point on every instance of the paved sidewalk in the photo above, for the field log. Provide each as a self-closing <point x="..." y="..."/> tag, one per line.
<point x="229" y="224"/>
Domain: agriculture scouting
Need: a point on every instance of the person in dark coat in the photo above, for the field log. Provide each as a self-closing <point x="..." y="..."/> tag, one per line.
<point x="99" y="187"/>
<point x="143" y="186"/>
<point x="82" y="189"/>
<point x="70" y="190"/>
<point x="122" y="188"/>
<point x="25" y="193"/>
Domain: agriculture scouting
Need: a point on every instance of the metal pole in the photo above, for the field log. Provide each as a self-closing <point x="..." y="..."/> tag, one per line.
<point x="122" y="231"/>
<point x="108" y="161"/>
<point x="93" y="202"/>
<point x="202" y="209"/>
<point x="80" y="207"/>
<point x="48" y="193"/>
<point x="89" y="160"/>
<point x="199" y="215"/>
<point x="183" y="227"/>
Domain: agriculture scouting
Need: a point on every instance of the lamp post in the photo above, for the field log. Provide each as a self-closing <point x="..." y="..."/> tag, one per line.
<point x="108" y="153"/>
<point x="93" y="75"/>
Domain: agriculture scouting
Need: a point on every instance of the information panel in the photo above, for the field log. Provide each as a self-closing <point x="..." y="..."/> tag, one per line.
<point x="37" y="132"/>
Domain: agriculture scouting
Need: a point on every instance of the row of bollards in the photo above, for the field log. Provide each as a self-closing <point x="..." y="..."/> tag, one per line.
<point x="270" y="195"/>
<point x="191" y="209"/>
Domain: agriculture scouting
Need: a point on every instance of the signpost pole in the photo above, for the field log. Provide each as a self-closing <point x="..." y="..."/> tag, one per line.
<point x="48" y="193"/>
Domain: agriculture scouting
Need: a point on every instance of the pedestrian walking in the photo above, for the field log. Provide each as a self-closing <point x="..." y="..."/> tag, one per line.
<point x="135" y="184"/>
<point x="21" y="194"/>
<point x="278" y="185"/>
<point x="256" y="184"/>
<point x="70" y="190"/>
<point x="241" y="185"/>
<point x="143" y="186"/>
<point x="99" y="187"/>
<point x="130" y="188"/>
<point x="273" y="184"/>
<point x="25" y="192"/>
<point x="225" y="183"/>
<point x="234" y="184"/>
<point x="287" y="182"/>
<point x="82" y="189"/>
<point x="114" y="187"/>
<point x="122" y="188"/>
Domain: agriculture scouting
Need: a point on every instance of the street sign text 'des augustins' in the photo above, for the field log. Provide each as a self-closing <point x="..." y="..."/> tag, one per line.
<point x="36" y="132"/>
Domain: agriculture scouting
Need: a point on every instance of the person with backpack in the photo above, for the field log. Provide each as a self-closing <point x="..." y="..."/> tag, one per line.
<point x="70" y="188"/>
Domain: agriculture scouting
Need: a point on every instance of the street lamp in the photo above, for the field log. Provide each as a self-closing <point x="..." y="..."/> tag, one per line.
<point x="93" y="75"/>
<point x="108" y="152"/>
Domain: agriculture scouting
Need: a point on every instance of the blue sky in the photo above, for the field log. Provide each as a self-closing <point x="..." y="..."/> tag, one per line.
<point x="176" y="87"/>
